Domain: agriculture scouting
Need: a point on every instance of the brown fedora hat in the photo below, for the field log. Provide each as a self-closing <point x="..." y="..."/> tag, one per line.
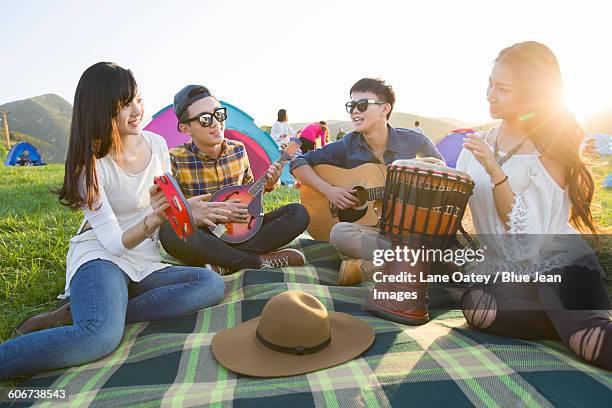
<point x="294" y="335"/>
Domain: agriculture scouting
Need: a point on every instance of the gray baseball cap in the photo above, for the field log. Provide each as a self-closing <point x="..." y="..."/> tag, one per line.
<point x="182" y="100"/>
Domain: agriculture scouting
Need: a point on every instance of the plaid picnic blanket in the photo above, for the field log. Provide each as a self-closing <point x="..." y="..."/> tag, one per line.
<point x="442" y="363"/>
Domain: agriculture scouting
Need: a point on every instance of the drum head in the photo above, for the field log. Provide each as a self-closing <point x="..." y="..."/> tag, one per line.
<point x="436" y="168"/>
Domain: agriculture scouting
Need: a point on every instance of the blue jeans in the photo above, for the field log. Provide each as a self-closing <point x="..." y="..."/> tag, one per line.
<point x="103" y="299"/>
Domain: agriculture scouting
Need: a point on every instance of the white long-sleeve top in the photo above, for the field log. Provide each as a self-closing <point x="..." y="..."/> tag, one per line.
<point x="533" y="238"/>
<point x="281" y="132"/>
<point x="123" y="201"/>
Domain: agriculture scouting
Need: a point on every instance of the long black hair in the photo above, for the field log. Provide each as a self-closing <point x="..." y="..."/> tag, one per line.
<point x="550" y="125"/>
<point x="104" y="88"/>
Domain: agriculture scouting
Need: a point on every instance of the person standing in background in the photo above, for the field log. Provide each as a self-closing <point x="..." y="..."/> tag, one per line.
<point x="310" y="134"/>
<point x="282" y="131"/>
<point x="417" y="127"/>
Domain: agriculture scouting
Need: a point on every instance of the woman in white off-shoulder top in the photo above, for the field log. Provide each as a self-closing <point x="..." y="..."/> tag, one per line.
<point x="532" y="196"/>
<point x="114" y="274"/>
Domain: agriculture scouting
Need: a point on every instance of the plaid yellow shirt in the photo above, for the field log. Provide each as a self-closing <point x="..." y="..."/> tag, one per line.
<point x="199" y="174"/>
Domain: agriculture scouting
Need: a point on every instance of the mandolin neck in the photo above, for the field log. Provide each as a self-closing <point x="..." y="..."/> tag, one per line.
<point x="259" y="185"/>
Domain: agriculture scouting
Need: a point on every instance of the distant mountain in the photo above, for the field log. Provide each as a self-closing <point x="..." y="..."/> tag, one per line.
<point x="435" y="128"/>
<point x="43" y="121"/>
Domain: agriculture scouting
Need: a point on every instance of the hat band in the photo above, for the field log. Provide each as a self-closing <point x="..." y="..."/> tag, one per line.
<point x="299" y="350"/>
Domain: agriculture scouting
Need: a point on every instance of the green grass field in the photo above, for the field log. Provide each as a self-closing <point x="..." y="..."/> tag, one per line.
<point x="35" y="229"/>
<point x="34" y="234"/>
<point x="603" y="197"/>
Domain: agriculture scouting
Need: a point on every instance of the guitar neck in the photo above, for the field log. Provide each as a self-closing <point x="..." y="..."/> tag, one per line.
<point x="376" y="193"/>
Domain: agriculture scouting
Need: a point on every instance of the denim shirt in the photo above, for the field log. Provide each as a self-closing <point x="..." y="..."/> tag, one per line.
<point x="352" y="150"/>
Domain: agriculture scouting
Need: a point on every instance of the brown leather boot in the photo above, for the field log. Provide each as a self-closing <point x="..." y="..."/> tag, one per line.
<point x="355" y="271"/>
<point x="384" y="302"/>
<point x="389" y="311"/>
<point x="60" y="316"/>
<point x="280" y="259"/>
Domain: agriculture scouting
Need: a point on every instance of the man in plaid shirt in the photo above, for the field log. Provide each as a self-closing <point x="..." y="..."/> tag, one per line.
<point x="208" y="163"/>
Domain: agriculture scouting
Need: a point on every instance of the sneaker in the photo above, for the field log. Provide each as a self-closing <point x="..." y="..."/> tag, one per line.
<point x="279" y="259"/>
<point x="60" y="316"/>
<point x="219" y="269"/>
<point x="354" y="271"/>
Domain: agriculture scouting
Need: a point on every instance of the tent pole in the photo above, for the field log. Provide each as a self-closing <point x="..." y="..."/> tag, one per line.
<point x="6" y="129"/>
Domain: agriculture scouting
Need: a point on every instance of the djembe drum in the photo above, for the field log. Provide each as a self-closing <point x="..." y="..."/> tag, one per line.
<point x="422" y="208"/>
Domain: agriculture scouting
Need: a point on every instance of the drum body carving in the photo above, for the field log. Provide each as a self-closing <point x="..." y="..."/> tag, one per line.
<point x="424" y="202"/>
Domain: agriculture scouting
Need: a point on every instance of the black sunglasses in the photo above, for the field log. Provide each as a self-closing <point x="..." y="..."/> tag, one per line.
<point x="361" y="105"/>
<point x="206" y="119"/>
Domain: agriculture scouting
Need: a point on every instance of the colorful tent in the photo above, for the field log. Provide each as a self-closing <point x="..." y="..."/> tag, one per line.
<point x="261" y="148"/>
<point x="450" y="146"/>
<point x="608" y="181"/>
<point x="601" y="142"/>
<point x="24" y="154"/>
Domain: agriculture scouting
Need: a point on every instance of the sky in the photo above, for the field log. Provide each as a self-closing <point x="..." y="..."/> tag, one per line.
<point x="303" y="56"/>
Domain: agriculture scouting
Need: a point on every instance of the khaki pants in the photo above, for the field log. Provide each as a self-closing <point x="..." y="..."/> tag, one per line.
<point x="357" y="241"/>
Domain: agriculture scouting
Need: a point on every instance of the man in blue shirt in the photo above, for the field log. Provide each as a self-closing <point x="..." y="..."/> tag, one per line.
<point x="373" y="141"/>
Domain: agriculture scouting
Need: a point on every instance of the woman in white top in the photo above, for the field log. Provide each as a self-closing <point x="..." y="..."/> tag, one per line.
<point x="113" y="271"/>
<point x="532" y="194"/>
<point x="282" y="131"/>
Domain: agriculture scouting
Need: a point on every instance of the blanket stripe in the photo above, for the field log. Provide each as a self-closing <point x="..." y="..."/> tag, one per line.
<point x="442" y="363"/>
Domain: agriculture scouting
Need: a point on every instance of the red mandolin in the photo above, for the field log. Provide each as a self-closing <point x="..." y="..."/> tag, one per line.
<point x="252" y="195"/>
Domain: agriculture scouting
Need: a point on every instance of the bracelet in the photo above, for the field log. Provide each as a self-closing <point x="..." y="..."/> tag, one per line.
<point x="150" y="236"/>
<point x="494" y="186"/>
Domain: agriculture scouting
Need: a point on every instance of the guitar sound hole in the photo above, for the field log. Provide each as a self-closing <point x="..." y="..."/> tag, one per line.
<point x="356" y="213"/>
<point x="352" y="214"/>
<point x="362" y="197"/>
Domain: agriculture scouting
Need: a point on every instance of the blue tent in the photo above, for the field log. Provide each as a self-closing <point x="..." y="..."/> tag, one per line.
<point x="601" y="142"/>
<point x="608" y="181"/>
<point x="15" y="155"/>
<point x="450" y="146"/>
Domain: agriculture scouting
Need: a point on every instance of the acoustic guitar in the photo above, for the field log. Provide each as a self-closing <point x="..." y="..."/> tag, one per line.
<point x="369" y="181"/>
<point x="252" y="195"/>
